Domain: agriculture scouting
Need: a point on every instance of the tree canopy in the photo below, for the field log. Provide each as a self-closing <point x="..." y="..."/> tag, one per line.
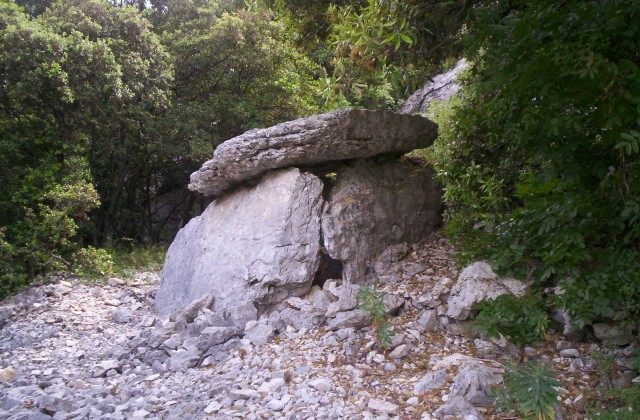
<point x="107" y="107"/>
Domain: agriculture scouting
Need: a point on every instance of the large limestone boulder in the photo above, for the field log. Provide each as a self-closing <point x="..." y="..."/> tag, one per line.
<point x="476" y="283"/>
<point x="441" y="88"/>
<point x="250" y="249"/>
<point x="334" y="136"/>
<point x="373" y="206"/>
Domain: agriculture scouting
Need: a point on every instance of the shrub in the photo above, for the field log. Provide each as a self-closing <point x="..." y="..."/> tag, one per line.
<point x="91" y="262"/>
<point x="522" y="320"/>
<point x="11" y="275"/>
<point x="371" y="301"/>
<point x="529" y="389"/>
<point x="538" y="154"/>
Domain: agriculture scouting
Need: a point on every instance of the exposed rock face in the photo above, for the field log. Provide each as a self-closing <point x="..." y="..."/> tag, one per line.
<point x="251" y="248"/>
<point x="442" y="88"/>
<point x="373" y="206"/>
<point x="339" y="135"/>
<point x="476" y="283"/>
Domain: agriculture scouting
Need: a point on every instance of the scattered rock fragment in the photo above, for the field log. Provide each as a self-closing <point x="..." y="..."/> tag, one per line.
<point x="321" y="384"/>
<point x="71" y="359"/>
<point x="115" y="282"/>
<point x="7" y="374"/>
<point x="430" y="381"/>
<point x="350" y="319"/>
<point x="383" y="407"/>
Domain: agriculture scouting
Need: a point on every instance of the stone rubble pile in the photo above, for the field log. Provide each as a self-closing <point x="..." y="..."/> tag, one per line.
<point x="77" y="350"/>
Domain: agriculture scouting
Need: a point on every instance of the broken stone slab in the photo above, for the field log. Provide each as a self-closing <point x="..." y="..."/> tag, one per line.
<point x="116" y="282"/>
<point x="101" y="368"/>
<point x="181" y="360"/>
<point x="122" y="316"/>
<point x="271" y="386"/>
<point x="295" y="318"/>
<point x="244" y="394"/>
<point x="250" y="249"/>
<point x="428" y="321"/>
<point x="383" y="407"/>
<point x="332" y="288"/>
<point x="212" y="336"/>
<point x="319" y="299"/>
<point x="441" y="88"/>
<point x="259" y="333"/>
<point x="432" y="380"/>
<point x="476" y="283"/>
<point x="321" y="384"/>
<point x="350" y="319"/>
<point x="475" y="381"/>
<point x="347" y="300"/>
<point x="393" y="303"/>
<point x="190" y="312"/>
<point x="401" y="351"/>
<point x="372" y="206"/>
<point x="334" y="136"/>
<point x="458" y="407"/>
<point x="385" y="261"/>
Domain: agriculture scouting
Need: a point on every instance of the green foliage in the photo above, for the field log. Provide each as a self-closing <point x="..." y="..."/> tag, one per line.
<point x="371" y="301"/>
<point x="234" y="72"/>
<point x="620" y="404"/>
<point x="537" y="154"/>
<point x="12" y="276"/>
<point x="364" y="38"/>
<point x="44" y="236"/>
<point x="79" y="82"/>
<point x="530" y="390"/>
<point x="130" y="261"/>
<point x="90" y="262"/>
<point x="376" y="52"/>
<point x="82" y="79"/>
<point x="522" y="320"/>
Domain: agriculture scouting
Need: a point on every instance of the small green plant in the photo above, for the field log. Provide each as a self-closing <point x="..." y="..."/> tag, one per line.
<point x="371" y="301"/>
<point x="606" y="366"/>
<point x="522" y="320"/>
<point x="529" y="389"/>
<point x="619" y="404"/>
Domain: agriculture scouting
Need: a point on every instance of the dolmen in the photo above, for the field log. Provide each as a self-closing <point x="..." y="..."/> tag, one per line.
<point x="297" y="204"/>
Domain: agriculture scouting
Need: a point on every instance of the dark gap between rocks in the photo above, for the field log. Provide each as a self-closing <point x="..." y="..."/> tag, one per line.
<point x="327" y="269"/>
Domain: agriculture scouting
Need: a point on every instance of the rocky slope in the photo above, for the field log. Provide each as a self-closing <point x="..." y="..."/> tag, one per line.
<point x="78" y="350"/>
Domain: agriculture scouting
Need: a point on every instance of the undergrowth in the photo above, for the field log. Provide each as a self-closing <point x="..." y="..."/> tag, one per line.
<point x="128" y="262"/>
<point x="371" y="301"/>
<point x="529" y="389"/>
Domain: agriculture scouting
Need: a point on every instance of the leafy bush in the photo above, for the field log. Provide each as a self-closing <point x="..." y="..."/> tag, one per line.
<point x="530" y="390"/>
<point x="371" y="301"/>
<point x="91" y="262"/>
<point x="538" y="154"/>
<point x="11" y="275"/>
<point x="522" y="320"/>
